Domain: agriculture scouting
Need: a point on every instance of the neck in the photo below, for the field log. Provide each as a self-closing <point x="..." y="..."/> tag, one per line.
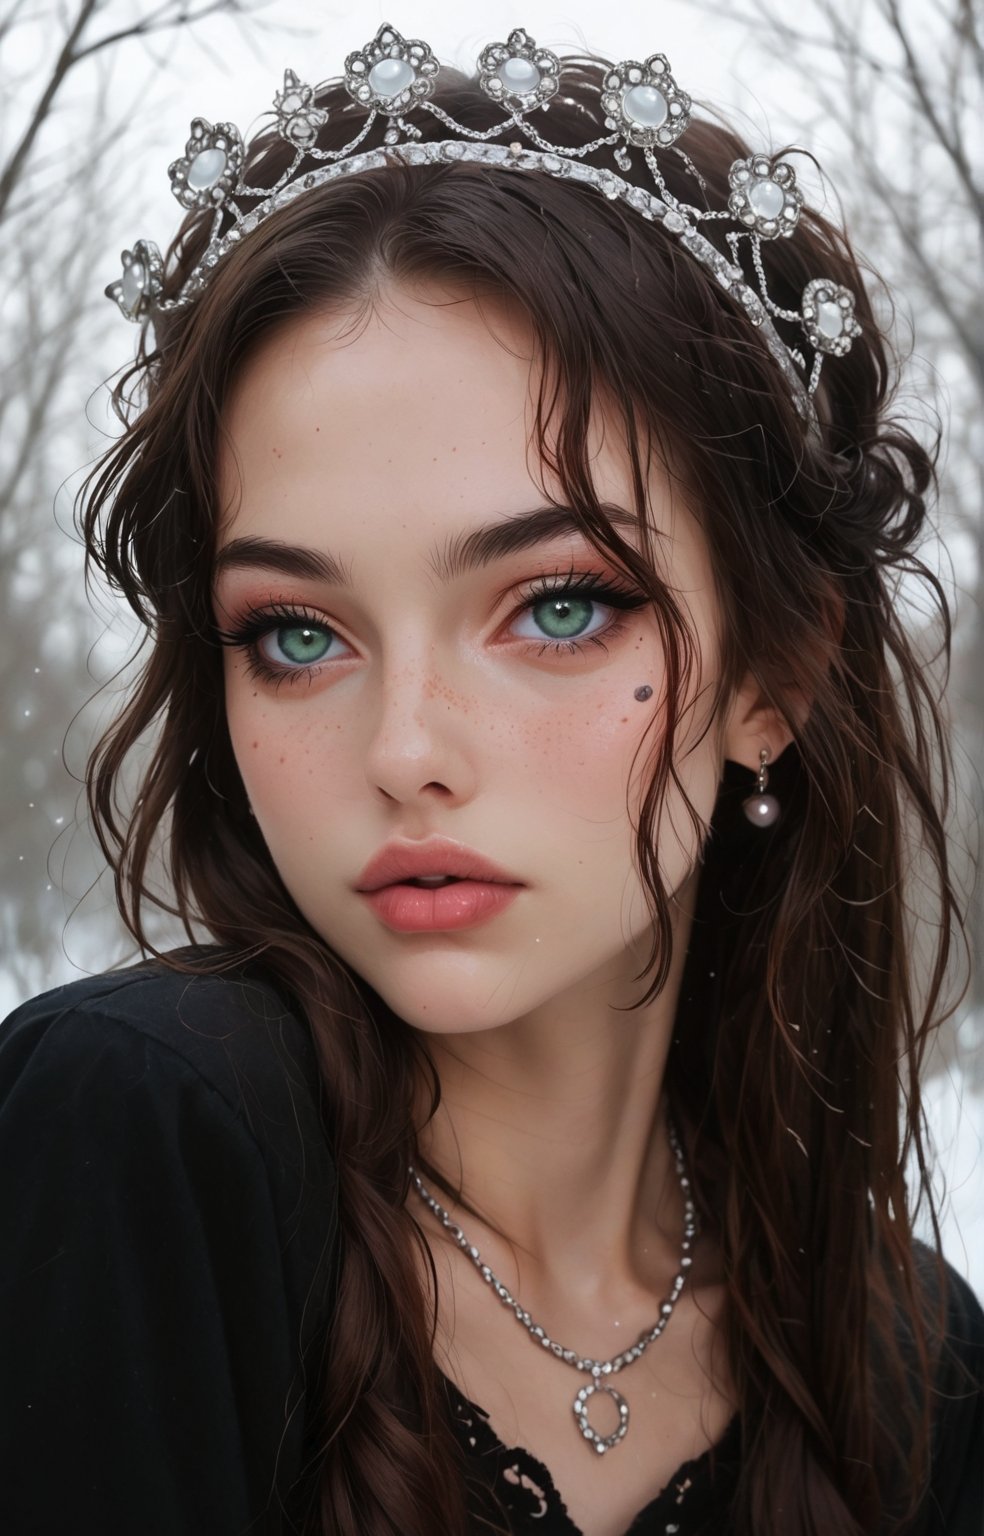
<point x="555" y="1128"/>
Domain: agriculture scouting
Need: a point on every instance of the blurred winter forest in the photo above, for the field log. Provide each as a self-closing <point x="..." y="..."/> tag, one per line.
<point x="888" y="93"/>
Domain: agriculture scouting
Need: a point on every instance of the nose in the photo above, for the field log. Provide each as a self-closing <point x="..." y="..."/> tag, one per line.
<point x="418" y="746"/>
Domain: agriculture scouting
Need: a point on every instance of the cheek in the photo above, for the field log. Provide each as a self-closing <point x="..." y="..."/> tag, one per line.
<point x="576" y="739"/>
<point x="567" y="749"/>
<point x="279" y="749"/>
<point x="292" y="757"/>
<point x="578" y="757"/>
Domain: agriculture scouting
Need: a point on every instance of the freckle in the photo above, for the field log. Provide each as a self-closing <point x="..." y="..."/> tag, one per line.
<point x="625" y="721"/>
<point x="283" y="759"/>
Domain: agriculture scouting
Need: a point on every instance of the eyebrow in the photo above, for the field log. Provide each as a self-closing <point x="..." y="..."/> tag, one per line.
<point x="459" y="554"/>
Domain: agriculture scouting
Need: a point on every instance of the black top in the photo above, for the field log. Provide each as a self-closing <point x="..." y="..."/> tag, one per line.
<point x="167" y="1231"/>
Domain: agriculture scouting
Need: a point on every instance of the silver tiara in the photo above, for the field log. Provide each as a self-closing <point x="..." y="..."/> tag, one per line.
<point x="644" y="109"/>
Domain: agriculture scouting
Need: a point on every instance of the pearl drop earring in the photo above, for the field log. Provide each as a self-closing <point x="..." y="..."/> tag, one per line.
<point x="761" y="809"/>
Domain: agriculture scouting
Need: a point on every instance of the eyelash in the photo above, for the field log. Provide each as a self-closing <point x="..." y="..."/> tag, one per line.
<point x="257" y="623"/>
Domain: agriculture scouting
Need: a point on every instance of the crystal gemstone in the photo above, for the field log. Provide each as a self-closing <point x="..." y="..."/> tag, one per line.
<point x="391" y="76"/>
<point x="206" y="169"/>
<point x="830" y="319"/>
<point x="519" y="75"/>
<point x="766" y="199"/>
<point x="134" y="277"/>
<point x="645" y="105"/>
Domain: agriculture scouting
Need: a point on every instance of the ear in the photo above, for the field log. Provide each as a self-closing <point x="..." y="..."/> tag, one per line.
<point x="754" y="723"/>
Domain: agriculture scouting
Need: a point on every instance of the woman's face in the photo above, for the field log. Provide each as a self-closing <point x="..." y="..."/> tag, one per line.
<point x="414" y="665"/>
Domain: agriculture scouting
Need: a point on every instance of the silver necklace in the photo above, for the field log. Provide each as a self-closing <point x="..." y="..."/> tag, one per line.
<point x="599" y="1370"/>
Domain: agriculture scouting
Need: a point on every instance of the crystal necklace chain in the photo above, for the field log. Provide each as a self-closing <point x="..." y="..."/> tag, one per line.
<point x="598" y="1370"/>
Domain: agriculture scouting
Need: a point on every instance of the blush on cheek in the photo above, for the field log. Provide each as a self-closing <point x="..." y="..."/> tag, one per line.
<point x="581" y="755"/>
<point x="301" y="757"/>
<point x="292" y="766"/>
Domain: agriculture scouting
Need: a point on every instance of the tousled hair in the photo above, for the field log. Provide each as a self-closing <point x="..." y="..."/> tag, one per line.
<point x="799" y="1029"/>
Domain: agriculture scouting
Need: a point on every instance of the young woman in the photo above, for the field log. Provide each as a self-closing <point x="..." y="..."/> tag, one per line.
<point x="531" y="746"/>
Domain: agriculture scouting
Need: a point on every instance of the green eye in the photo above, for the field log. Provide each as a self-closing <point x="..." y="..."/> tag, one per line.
<point x="562" y="618"/>
<point x="300" y="644"/>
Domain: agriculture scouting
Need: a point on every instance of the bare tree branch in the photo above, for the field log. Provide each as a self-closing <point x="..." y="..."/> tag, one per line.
<point x="790" y="37"/>
<point x="953" y="145"/>
<point x="11" y="19"/>
<point x="168" y="16"/>
<point x="903" y="97"/>
<point x="55" y="328"/>
<point x="66" y="58"/>
<point x="159" y="23"/>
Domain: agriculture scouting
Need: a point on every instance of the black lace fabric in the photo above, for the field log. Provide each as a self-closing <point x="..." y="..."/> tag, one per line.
<point x="509" y="1480"/>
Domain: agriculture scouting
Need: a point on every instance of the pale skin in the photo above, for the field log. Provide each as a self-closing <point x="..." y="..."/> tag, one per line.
<point x="434" y="710"/>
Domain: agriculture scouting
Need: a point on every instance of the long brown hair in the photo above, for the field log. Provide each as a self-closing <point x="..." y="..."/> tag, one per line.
<point x="799" y="1029"/>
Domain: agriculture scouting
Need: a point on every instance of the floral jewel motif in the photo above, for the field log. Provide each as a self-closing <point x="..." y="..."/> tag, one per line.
<point x="643" y="100"/>
<point x="142" y="282"/>
<point x="517" y="72"/>
<point x="764" y="196"/>
<point x="210" y="169"/>
<point x="828" y="316"/>
<point x="297" y="117"/>
<point x="391" y="73"/>
<point x="643" y="108"/>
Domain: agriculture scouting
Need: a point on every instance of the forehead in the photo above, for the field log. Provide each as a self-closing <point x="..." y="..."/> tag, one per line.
<point x="425" y="404"/>
<point x="399" y="430"/>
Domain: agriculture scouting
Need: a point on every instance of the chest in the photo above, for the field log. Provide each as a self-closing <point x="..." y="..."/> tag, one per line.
<point x="677" y="1404"/>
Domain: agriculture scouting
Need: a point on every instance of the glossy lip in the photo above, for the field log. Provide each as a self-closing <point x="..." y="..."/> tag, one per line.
<point x="401" y="861"/>
<point x="445" y="909"/>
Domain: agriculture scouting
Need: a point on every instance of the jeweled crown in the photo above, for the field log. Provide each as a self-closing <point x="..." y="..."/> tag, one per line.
<point x="644" y="109"/>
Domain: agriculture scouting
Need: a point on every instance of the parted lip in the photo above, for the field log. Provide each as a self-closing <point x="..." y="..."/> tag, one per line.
<point x="399" y="861"/>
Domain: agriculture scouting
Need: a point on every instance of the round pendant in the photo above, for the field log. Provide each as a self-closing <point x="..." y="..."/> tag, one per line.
<point x="761" y="810"/>
<point x="391" y="76"/>
<point x="520" y="76"/>
<point x="645" y="105"/>
<point x="206" y="168"/>
<point x="601" y="1443"/>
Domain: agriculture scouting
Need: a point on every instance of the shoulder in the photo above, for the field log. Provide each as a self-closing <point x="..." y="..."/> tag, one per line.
<point x="168" y="1219"/>
<point x="955" y="1318"/>
<point x="192" y="1093"/>
<point x="190" y="1073"/>
<point x="230" y="1033"/>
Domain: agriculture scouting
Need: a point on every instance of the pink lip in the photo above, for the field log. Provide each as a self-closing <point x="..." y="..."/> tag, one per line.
<point x="413" y="909"/>
<point x="399" y="861"/>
